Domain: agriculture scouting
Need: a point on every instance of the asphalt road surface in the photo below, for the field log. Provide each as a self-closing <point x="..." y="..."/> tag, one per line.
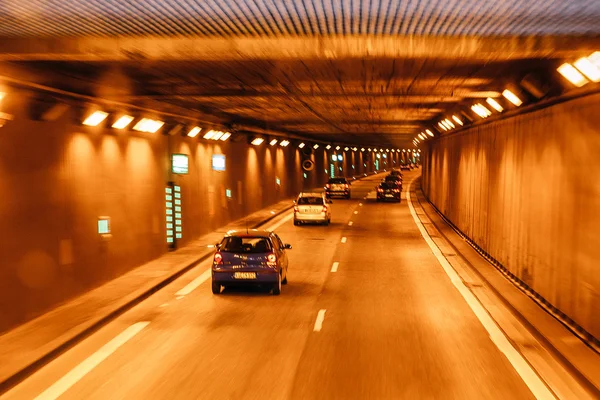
<point x="385" y="322"/>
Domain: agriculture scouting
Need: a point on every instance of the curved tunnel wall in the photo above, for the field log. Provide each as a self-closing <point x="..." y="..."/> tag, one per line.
<point x="57" y="178"/>
<point x="527" y="190"/>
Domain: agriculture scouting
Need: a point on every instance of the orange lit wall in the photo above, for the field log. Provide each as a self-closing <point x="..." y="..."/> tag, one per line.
<point x="57" y="178"/>
<point x="526" y="189"/>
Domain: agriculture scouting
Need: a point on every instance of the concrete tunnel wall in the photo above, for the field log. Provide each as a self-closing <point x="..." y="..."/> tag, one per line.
<point x="57" y="178"/>
<point x="526" y="190"/>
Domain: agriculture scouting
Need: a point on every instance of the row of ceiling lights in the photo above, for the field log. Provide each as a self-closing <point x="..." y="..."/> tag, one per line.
<point x="257" y="141"/>
<point x="481" y="110"/>
<point x="579" y="73"/>
<point x="149" y="125"/>
<point x="582" y="71"/>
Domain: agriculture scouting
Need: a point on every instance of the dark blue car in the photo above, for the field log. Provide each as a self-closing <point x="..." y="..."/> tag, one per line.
<point x="250" y="258"/>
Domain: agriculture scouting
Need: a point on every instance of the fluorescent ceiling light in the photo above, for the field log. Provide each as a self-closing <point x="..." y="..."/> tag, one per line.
<point x="209" y="135"/>
<point x="346" y="149"/>
<point x="481" y="110"/>
<point x="510" y="96"/>
<point x="194" y="132"/>
<point x="429" y="132"/>
<point x="369" y="149"/>
<point x="284" y="143"/>
<point x="355" y="148"/>
<point x="225" y="136"/>
<point x="122" y="122"/>
<point x="457" y="120"/>
<point x="495" y="105"/>
<point x="362" y="149"/>
<point x="328" y="146"/>
<point x="2" y="95"/>
<point x="273" y="142"/>
<point x="257" y="141"/>
<point x="442" y="126"/>
<point x="572" y="75"/>
<point x="301" y="145"/>
<point x="316" y="146"/>
<point x="218" y="135"/>
<point x="337" y="147"/>
<point x="449" y="123"/>
<point x="148" y="125"/>
<point x="95" y="118"/>
<point x="417" y="140"/>
<point x="587" y="67"/>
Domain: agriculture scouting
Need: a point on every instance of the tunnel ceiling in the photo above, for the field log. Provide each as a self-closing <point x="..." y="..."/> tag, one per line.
<point x="365" y="72"/>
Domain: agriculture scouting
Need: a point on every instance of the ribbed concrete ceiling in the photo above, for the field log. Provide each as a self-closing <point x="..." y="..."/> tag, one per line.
<point x="101" y="18"/>
<point x="370" y="72"/>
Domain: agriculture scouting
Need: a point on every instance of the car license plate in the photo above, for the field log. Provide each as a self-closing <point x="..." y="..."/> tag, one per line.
<point x="389" y="195"/>
<point x="244" y="275"/>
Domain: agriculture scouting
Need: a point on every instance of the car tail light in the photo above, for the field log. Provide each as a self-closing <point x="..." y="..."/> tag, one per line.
<point x="324" y="208"/>
<point x="272" y="258"/>
<point x="296" y="209"/>
<point x="380" y="190"/>
<point x="218" y="258"/>
<point x="328" y="186"/>
<point x="346" y="186"/>
<point x="396" y="190"/>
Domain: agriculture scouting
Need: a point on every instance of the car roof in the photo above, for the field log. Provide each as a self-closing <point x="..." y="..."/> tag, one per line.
<point x="310" y="195"/>
<point x="249" y="233"/>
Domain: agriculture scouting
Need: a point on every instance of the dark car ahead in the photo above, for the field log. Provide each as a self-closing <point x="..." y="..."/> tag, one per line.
<point x="250" y="258"/>
<point x="337" y="187"/>
<point x="405" y="167"/>
<point x="394" y="179"/>
<point x="388" y="191"/>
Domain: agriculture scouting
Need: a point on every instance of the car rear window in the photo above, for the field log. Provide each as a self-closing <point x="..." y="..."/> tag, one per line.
<point x="392" y="178"/>
<point x="236" y="244"/>
<point x="388" y="186"/>
<point x="337" y="180"/>
<point x="305" y="201"/>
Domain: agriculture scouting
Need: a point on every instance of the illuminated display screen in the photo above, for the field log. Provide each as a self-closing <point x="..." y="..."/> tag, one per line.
<point x="180" y="164"/>
<point x="218" y="162"/>
<point x="103" y="226"/>
<point x="340" y="157"/>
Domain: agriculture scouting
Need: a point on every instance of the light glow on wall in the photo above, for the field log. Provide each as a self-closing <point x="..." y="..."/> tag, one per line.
<point x="148" y="125"/>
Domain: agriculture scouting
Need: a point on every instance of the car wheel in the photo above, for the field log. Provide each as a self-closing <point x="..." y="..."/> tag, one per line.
<point x="284" y="281"/>
<point x="328" y="222"/>
<point x="216" y="287"/>
<point x="296" y="223"/>
<point x="277" y="286"/>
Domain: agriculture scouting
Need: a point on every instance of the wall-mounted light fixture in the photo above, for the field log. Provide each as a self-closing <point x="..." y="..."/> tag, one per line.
<point x="273" y="142"/>
<point x="257" y="141"/>
<point x="572" y="75"/>
<point x="284" y="143"/>
<point x="122" y="122"/>
<point x="328" y="146"/>
<point x="148" y="125"/>
<point x="588" y="68"/>
<point x="95" y="118"/>
<point x="194" y="131"/>
<point x="315" y="146"/>
<point x="510" y="96"/>
<point x="301" y="145"/>
<point x="456" y="119"/>
<point x="495" y="105"/>
<point x="480" y="110"/>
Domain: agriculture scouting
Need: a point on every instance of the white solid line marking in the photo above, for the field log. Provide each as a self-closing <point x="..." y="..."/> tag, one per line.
<point x="73" y="376"/>
<point x="335" y="266"/>
<point x="355" y="212"/>
<point x="190" y="287"/>
<point x="283" y="221"/>
<point x="531" y="379"/>
<point x="344" y="239"/>
<point x="164" y="305"/>
<point x="319" y="322"/>
<point x="179" y="297"/>
<point x="360" y="204"/>
<point x="350" y="223"/>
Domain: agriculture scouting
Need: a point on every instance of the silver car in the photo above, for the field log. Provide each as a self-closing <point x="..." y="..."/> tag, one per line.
<point x="312" y="208"/>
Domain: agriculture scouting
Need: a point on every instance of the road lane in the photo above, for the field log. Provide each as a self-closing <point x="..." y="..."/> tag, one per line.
<point x="241" y="344"/>
<point x="375" y="317"/>
<point x="396" y="327"/>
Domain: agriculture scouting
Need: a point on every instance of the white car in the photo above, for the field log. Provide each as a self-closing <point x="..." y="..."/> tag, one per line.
<point x="312" y="207"/>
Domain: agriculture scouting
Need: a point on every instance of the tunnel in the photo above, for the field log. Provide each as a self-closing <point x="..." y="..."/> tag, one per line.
<point x="134" y="136"/>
